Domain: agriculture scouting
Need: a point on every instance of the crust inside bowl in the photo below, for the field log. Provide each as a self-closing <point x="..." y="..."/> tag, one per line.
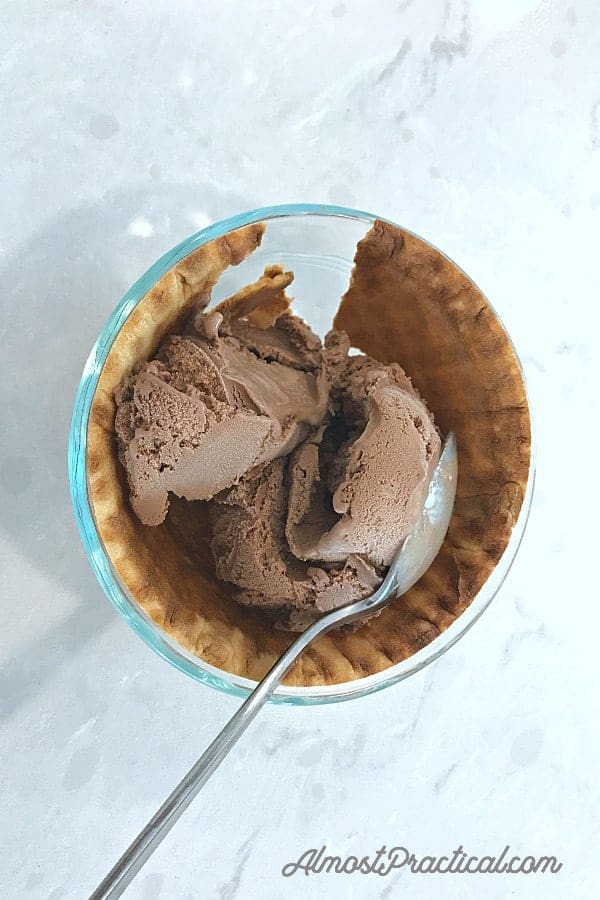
<point x="407" y="303"/>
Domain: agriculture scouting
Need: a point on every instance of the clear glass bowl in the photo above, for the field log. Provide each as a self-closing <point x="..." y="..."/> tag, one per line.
<point x="318" y="244"/>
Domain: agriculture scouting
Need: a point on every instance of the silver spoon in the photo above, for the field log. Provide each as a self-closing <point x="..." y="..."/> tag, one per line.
<point x="413" y="559"/>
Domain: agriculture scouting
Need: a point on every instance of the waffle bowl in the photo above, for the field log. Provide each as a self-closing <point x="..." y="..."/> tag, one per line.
<point x="405" y="302"/>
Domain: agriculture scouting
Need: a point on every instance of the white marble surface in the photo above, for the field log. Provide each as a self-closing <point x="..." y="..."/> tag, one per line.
<point x="125" y="126"/>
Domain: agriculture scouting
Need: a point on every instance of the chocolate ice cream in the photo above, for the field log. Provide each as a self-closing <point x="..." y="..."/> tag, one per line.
<point x="358" y="486"/>
<point x="315" y="462"/>
<point x="220" y="398"/>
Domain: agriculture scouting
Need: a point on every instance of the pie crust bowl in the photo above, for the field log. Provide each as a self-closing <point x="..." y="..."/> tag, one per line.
<point x="402" y="300"/>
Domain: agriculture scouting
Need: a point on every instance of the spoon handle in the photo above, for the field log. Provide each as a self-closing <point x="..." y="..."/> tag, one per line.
<point x="411" y="561"/>
<point x="125" y="870"/>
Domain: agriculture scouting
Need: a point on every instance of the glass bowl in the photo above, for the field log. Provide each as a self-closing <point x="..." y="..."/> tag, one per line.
<point x="318" y="244"/>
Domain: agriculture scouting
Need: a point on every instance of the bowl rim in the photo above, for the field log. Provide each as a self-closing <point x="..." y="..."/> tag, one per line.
<point x="101" y="564"/>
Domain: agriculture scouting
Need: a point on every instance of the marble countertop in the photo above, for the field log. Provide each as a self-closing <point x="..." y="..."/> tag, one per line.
<point x="126" y="126"/>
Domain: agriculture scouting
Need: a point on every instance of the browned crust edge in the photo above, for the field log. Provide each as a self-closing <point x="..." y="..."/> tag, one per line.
<point x="408" y="302"/>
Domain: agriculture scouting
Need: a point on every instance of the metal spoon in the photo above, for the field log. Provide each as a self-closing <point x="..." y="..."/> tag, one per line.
<point x="413" y="559"/>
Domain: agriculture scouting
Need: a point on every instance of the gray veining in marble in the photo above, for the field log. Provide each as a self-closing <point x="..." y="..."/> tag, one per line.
<point x="127" y="126"/>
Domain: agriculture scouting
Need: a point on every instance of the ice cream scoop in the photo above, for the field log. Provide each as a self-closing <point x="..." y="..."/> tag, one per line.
<point x="314" y="462"/>
<point x="410" y="562"/>
<point x="300" y="536"/>
<point x="240" y="386"/>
